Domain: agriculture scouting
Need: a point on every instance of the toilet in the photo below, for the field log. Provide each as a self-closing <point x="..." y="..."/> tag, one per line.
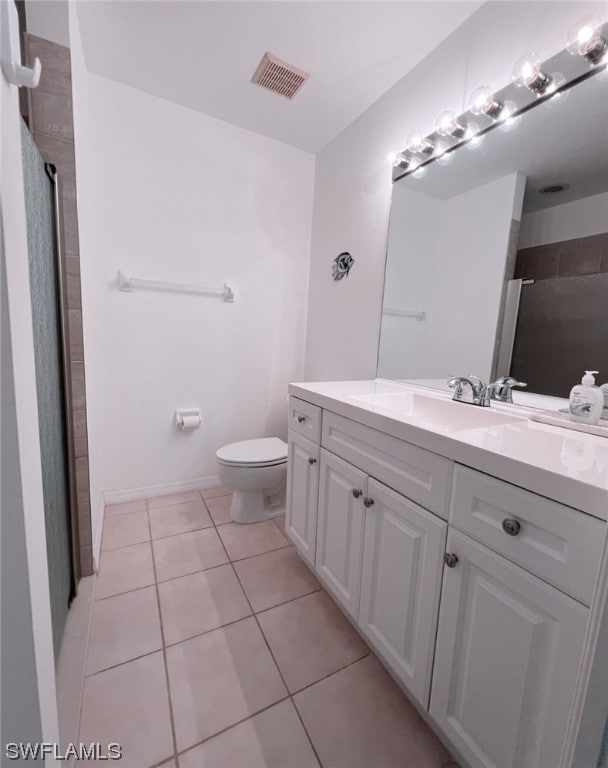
<point x="256" y="471"/>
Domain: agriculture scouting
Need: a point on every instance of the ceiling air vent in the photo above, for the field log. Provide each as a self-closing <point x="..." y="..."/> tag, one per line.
<point x="279" y="76"/>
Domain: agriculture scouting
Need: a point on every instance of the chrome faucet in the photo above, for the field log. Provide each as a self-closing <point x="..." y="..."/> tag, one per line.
<point x="469" y="389"/>
<point x="500" y="390"/>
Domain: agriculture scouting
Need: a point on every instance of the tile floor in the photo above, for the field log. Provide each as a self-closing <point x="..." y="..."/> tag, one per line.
<point x="213" y="646"/>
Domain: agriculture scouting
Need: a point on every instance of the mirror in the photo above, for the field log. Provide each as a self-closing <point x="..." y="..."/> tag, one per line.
<point x="497" y="262"/>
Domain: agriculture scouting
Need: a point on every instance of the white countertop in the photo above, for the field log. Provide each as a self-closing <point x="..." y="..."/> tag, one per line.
<point x="567" y="466"/>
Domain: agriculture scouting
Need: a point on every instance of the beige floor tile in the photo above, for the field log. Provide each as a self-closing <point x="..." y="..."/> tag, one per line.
<point x="179" y="518"/>
<point x="122" y="628"/>
<point x="200" y="602"/>
<point x="280" y="521"/>
<point x="168" y="764"/>
<point x="121" y="570"/>
<point x="129" y="705"/>
<point x="273" y="739"/>
<point x="220" y="678"/>
<point x="139" y="505"/>
<point x="275" y="577"/>
<point x="253" y="539"/>
<point x="359" y="718"/>
<point x="126" y="529"/>
<point x="310" y="638"/>
<point x="216" y="490"/>
<point x="173" y="498"/>
<point x="219" y="508"/>
<point x="187" y="553"/>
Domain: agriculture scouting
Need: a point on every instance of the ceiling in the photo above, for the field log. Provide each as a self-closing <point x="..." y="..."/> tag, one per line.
<point x="202" y="55"/>
<point x="563" y="141"/>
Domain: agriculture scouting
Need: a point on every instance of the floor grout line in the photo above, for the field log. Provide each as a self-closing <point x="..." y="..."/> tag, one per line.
<point x="290" y="696"/>
<point x="272" y="656"/>
<point x="164" y="652"/>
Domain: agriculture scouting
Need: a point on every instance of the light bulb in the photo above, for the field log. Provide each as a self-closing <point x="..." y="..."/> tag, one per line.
<point x="475" y="141"/>
<point x="527" y="72"/>
<point x="482" y="102"/>
<point x="391" y="157"/>
<point x="420" y="172"/>
<point x="420" y="144"/>
<point x="585" y="39"/>
<point x="447" y="124"/>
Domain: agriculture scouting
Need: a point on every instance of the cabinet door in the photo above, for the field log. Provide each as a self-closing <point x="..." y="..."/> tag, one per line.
<point x="507" y="656"/>
<point x="401" y="584"/>
<point x="302" y="492"/>
<point x="340" y="529"/>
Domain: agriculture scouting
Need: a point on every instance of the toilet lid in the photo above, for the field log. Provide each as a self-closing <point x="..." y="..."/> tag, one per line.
<point x="265" y="450"/>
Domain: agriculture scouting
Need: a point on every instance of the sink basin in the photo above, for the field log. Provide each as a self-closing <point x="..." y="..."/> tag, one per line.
<point x="436" y="412"/>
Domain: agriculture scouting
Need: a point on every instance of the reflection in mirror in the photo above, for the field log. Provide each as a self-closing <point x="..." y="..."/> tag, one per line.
<point x="497" y="263"/>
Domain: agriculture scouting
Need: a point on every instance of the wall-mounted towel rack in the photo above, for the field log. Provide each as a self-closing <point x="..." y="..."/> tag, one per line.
<point x="227" y="293"/>
<point x="418" y="314"/>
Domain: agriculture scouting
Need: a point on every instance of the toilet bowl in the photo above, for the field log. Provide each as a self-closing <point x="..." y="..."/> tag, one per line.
<point x="256" y="471"/>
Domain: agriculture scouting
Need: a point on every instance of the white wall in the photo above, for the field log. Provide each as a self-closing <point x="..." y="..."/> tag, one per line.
<point x="447" y="258"/>
<point x="587" y="216"/>
<point x="170" y="194"/>
<point x="48" y="19"/>
<point x="412" y="254"/>
<point x="352" y="180"/>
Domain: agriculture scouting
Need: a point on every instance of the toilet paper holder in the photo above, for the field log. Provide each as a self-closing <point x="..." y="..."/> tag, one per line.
<point x="187" y="419"/>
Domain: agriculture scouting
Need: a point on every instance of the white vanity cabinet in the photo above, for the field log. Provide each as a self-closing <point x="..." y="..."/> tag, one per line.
<point x="401" y="580"/>
<point x="302" y="492"/>
<point x="340" y="524"/>
<point x="475" y="592"/>
<point x="506" y="661"/>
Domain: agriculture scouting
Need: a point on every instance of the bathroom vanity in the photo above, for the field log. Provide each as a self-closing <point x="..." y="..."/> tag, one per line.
<point x="467" y="545"/>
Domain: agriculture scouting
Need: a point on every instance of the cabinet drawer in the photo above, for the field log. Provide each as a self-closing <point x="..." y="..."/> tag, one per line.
<point x="305" y="419"/>
<point x="420" y="475"/>
<point x="557" y="543"/>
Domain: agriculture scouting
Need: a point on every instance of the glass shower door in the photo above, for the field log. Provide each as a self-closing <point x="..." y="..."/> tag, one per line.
<point x="50" y="380"/>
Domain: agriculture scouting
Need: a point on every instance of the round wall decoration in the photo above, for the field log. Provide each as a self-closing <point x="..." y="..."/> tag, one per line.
<point x="341" y="265"/>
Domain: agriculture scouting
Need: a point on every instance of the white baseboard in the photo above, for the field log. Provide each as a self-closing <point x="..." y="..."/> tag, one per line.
<point x="164" y="489"/>
<point x="143" y="492"/>
<point x="97" y="531"/>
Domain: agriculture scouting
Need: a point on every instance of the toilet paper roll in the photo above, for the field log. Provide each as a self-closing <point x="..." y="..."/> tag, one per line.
<point x="190" y="422"/>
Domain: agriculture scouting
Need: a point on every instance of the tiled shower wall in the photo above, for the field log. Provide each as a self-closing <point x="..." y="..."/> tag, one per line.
<point x="50" y="121"/>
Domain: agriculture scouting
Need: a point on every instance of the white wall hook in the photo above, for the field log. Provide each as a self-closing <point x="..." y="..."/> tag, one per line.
<point x="10" y="54"/>
<point x="24" y="77"/>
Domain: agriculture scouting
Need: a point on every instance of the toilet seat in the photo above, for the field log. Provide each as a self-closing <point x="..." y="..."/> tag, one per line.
<point x="263" y="452"/>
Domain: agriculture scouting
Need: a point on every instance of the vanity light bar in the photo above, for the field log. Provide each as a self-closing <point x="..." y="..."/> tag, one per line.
<point x="587" y="42"/>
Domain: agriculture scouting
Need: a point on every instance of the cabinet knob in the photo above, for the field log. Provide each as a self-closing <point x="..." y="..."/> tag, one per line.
<point x="367" y="502"/>
<point x="301" y="419"/>
<point x="311" y="460"/>
<point x="450" y="559"/>
<point x="357" y="492"/>
<point x="512" y="527"/>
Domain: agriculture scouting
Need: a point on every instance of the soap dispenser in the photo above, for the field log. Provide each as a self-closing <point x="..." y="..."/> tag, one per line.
<point x="586" y="400"/>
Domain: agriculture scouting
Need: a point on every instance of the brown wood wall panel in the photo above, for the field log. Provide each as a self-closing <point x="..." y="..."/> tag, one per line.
<point x="567" y="258"/>
<point x="562" y="330"/>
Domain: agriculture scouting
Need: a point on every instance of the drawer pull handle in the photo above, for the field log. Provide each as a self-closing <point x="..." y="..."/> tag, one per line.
<point x="357" y="493"/>
<point x="450" y="560"/>
<point x="311" y="461"/>
<point x="512" y="527"/>
<point x="301" y="419"/>
<point x="367" y="502"/>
